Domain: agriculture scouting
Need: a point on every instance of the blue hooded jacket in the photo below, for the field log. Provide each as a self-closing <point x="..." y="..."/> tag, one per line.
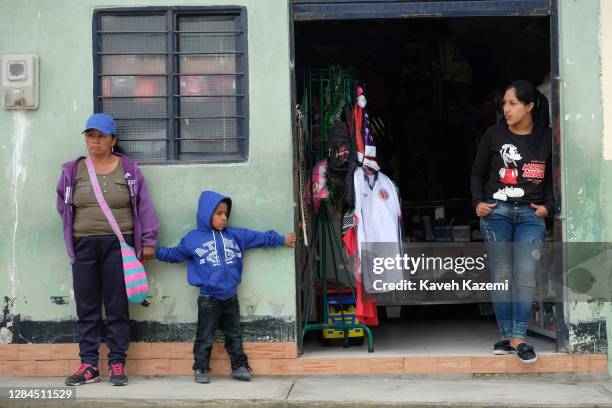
<point x="215" y="257"/>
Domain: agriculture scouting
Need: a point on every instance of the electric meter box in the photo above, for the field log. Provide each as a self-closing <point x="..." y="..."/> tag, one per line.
<point x="20" y="81"/>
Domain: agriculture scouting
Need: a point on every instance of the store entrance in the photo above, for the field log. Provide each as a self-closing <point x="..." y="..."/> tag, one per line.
<point x="432" y="87"/>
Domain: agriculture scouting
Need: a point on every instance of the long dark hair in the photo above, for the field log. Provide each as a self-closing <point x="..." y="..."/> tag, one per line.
<point x="527" y="93"/>
<point x="117" y="148"/>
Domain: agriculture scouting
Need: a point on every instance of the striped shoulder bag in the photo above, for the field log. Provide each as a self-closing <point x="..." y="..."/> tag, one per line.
<point x="136" y="283"/>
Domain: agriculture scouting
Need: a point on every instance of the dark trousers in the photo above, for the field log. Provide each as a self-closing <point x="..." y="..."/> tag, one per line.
<point x="97" y="276"/>
<point x="213" y="313"/>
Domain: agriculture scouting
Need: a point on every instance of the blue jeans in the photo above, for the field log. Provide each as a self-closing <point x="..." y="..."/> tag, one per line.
<point x="514" y="238"/>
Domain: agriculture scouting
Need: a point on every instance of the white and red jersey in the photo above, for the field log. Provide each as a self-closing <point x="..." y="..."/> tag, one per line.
<point x="378" y="214"/>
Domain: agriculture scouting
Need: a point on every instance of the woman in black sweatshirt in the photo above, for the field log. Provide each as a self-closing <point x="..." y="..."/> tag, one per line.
<point x="512" y="194"/>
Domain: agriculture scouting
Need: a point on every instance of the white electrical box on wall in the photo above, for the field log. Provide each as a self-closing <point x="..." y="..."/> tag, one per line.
<point x="20" y="81"/>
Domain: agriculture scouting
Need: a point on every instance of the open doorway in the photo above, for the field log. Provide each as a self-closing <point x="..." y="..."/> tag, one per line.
<point x="432" y="86"/>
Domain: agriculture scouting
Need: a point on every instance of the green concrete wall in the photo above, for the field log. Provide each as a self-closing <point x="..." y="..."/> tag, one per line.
<point x="33" y="263"/>
<point x="33" y="144"/>
<point x="606" y="309"/>
<point x="586" y="214"/>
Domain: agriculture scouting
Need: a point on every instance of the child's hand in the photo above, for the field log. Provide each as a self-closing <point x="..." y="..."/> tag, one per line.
<point x="290" y="239"/>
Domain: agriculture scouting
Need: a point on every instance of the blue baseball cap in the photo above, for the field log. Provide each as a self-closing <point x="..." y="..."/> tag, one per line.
<point x="102" y="122"/>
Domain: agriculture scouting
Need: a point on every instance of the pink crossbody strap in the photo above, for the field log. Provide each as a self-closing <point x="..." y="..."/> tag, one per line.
<point x="105" y="209"/>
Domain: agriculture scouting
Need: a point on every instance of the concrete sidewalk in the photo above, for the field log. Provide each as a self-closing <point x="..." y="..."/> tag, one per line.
<point x="368" y="391"/>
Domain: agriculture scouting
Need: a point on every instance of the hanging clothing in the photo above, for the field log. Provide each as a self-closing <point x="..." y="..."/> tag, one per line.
<point x="359" y="126"/>
<point x="349" y="235"/>
<point x="365" y="306"/>
<point x="377" y="214"/>
<point x="377" y="208"/>
<point x="356" y="126"/>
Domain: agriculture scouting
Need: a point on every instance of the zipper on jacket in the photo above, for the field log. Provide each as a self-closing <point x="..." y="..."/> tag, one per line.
<point x="223" y="263"/>
<point x="224" y="249"/>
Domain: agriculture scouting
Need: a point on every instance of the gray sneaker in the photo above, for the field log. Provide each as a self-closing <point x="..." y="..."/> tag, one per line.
<point x="242" y="373"/>
<point x="117" y="373"/>
<point x="201" y="376"/>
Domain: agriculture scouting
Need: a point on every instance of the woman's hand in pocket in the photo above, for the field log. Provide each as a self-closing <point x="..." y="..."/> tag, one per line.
<point x="540" y="210"/>
<point x="483" y="209"/>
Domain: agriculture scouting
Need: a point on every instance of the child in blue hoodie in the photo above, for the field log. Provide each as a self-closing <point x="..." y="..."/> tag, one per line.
<point x="214" y="254"/>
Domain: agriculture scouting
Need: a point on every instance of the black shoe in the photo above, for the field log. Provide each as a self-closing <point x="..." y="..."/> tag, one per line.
<point x="201" y="376"/>
<point x="242" y="373"/>
<point x="526" y="353"/>
<point x="502" y="347"/>
<point x="116" y="372"/>
<point x="85" y="374"/>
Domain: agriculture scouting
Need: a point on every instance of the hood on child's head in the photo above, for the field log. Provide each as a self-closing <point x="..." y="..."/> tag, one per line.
<point x="209" y="200"/>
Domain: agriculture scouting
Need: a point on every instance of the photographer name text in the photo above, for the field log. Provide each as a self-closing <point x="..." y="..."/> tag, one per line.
<point x="428" y="285"/>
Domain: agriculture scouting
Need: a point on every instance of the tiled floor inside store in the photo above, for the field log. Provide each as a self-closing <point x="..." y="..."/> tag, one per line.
<point x="458" y="337"/>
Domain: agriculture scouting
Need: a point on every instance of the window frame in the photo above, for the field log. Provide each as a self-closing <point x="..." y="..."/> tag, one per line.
<point x="171" y="15"/>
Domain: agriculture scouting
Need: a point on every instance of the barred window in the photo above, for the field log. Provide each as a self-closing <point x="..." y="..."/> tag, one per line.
<point x="175" y="80"/>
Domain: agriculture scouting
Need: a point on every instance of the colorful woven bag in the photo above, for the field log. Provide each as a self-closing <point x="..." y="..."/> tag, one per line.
<point x="136" y="283"/>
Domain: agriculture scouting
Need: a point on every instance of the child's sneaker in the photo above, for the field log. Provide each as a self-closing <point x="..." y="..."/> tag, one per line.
<point x="201" y="376"/>
<point x="85" y="374"/>
<point x="117" y="374"/>
<point x="242" y="373"/>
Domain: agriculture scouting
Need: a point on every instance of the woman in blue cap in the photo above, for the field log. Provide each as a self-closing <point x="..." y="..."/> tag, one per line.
<point x="94" y="250"/>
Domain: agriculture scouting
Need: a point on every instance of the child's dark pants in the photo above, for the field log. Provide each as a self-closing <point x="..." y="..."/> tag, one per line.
<point x="213" y="313"/>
